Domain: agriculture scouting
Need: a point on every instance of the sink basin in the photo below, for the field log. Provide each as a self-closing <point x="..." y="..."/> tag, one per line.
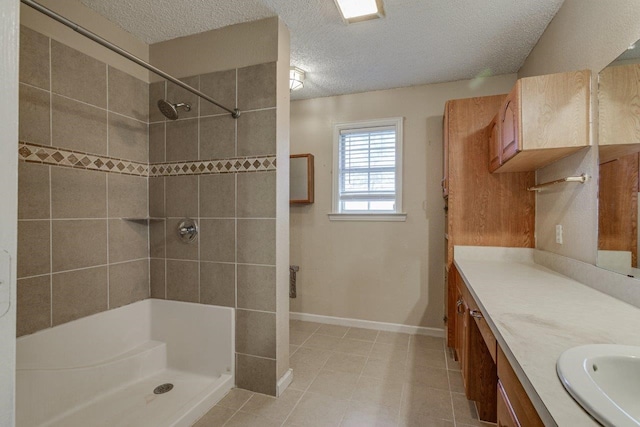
<point x="605" y="380"/>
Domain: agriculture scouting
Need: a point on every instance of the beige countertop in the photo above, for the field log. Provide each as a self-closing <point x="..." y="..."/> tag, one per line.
<point x="535" y="314"/>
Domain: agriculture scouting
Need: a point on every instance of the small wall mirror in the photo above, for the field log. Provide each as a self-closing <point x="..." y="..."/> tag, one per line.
<point x="301" y="178"/>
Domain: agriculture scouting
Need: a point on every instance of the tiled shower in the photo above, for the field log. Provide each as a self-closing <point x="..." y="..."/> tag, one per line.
<point x="105" y="179"/>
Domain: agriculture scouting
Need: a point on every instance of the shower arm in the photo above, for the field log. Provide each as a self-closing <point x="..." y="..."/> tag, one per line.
<point x="235" y="113"/>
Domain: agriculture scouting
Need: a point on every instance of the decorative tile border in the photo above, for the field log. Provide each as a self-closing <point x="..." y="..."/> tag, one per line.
<point x="48" y="155"/>
<point x="36" y="153"/>
<point x="207" y="167"/>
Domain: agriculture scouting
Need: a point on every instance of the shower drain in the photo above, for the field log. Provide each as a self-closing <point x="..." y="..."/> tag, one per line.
<point x="164" y="388"/>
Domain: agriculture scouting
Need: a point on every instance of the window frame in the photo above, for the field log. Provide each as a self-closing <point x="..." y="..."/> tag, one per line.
<point x="398" y="214"/>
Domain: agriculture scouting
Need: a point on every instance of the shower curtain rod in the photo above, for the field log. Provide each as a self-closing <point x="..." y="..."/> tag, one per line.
<point x="235" y="113"/>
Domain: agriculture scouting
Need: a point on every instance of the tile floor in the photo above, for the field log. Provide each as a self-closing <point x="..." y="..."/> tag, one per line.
<point x="356" y="377"/>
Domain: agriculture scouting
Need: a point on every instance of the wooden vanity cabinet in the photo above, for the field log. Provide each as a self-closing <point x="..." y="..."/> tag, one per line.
<point x="506" y="417"/>
<point x="543" y="119"/>
<point x="515" y="398"/>
<point x="477" y="364"/>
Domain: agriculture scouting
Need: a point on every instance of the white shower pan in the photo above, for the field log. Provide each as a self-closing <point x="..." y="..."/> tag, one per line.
<point x="102" y="370"/>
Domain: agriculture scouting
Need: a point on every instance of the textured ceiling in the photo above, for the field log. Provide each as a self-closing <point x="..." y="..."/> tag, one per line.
<point x="417" y="42"/>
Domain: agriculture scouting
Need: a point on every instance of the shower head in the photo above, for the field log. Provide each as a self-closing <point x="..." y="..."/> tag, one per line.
<point x="169" y="110"/>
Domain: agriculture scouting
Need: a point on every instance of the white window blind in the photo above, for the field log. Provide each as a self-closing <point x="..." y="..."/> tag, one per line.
<point x="367" y="170"/>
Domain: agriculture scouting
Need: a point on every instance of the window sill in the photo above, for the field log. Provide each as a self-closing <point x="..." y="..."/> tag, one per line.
<point x="394" y="217"/>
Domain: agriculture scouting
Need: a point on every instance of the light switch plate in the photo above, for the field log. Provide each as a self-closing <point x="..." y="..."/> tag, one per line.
<point x="559" y="234"/>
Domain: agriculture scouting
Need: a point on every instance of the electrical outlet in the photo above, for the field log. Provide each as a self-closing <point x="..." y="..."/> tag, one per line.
<point x="559" y="234"/>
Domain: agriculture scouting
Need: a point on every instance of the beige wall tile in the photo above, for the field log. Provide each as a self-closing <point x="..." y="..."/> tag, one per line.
<point x="156" y="143"/>
<point x="181" y="194"/>
<point x="128" y="95"/>
<point x="176" y="95"/>
<point x="257" y="241"/>
<point x="256" y="374"/>
<point x="77" y="75"/>
<point x="257" y="86"/>
<point x="257" y="195"/>
<point x="218" y="196"/>
<point x="34" y="305"/>
<point x="34" y="58"/>
<point x="33" y="248"/>
<point x="127" y="196"/>
<point x="34" y="117"/>
<point x="256" y="333"/>
<point x="33" y="191"/>
<point x="156" y="93"/>
<point x="257" y="287"/>
<point x="175" y="247"/>
<point x="218" y="284"/>
<point x="182" y="280"/>
<point x="257" y="133"/>
<point x="78" y="294"/>
<point x="182" y="140"/>
<point x="128" y="139"/>
<point x="77" y="193"/>
<point x="217" y="240"/>
<point x="157" y="245"/>
<point x="217" y="137"/>
<point x="79" y="244"/>
<point x="156" y="197"/>
<point x="220" y="86"/>
<point x="156" y="279"/>
<point x="128" y="282"/>
<point x="78" y="126"/>
<point x="128" y="240"/>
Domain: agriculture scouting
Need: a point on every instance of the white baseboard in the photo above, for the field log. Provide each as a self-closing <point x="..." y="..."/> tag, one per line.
<point x="284" y="382"/>
<point x="368" y="324"/>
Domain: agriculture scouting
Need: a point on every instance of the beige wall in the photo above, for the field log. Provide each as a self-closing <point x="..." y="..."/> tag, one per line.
<point x="379" y="271"/>
<point x="82" y="15"/>
<point x="585" y="34"/>
<point x="235" y="46"/>
<point x="9" y="33"/>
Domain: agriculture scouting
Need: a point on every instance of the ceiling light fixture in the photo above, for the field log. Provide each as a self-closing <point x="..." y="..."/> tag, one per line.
<point x="359" y="10"/>
<point x="296" y="78"/>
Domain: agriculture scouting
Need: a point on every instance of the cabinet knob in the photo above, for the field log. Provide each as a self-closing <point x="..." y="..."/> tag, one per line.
<point x="459" y="305"/>
<point x="476" y="314"/>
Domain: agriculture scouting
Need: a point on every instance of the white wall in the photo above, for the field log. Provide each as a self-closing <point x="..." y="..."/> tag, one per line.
<point x="9" y="32"/>
<point x="381" y="271"/>
<point x="585" y="34"/>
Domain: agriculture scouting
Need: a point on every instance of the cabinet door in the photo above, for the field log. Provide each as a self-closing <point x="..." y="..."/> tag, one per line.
<point x="495" y="150"/>
<point x="445" y="166"/>
<point x="509" y="126"/>
<point x="506" y="417"/>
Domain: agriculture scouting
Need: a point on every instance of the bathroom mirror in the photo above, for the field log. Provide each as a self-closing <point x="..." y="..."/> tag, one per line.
<point x="301" y="179"/>
<point x="619" y="150"/>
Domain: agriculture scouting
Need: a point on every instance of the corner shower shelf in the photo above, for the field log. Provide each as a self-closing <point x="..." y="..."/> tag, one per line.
<point x="144" y="219"/>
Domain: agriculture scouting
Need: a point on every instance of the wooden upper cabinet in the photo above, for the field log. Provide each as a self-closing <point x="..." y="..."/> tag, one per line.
<point x="619" y="116"/>
<point x="543" y="119"/>
<point x="509" y="126"/>
<point x="495" y="150"/>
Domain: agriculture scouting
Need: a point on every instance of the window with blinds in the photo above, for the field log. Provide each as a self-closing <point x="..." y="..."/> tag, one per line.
<point x="368" y="168"/>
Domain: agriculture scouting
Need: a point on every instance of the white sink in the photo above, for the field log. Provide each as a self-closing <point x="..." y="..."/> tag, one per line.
<point x="605" y="380"/>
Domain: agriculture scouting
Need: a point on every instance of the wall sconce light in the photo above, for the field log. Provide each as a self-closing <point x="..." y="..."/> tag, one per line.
<point x="296" y="78"/>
